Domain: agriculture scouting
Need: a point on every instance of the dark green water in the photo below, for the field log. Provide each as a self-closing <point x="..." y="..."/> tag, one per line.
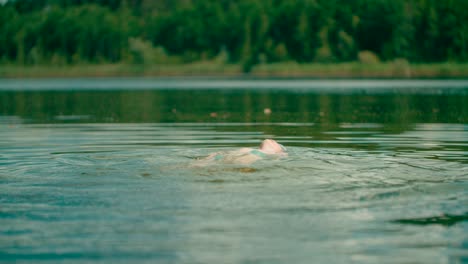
<point x="102" y="171"/>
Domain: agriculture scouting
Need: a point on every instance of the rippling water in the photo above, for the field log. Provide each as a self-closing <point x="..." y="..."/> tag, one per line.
<point x="370" y="177"/>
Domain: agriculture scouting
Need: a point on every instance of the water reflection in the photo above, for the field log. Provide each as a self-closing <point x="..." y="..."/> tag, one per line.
<point x="155" y="106"/>
<point x="445" y="220"/>
<point x="127" y="183"/>
<point x="106" y="175"/>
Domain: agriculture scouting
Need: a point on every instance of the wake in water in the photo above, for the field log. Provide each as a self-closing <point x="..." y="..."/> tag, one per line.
<point x="145" y="179"/>
<point x="330" y="168"/>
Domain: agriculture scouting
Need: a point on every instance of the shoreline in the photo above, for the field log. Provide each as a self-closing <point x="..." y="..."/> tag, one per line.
<point x="352" y="70"/>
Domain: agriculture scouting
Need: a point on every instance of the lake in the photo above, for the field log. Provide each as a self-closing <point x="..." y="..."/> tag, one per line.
<point x="102" y="170"/>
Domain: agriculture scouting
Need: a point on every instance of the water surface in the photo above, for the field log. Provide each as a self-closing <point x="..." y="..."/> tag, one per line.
<point x="376" y="172"/>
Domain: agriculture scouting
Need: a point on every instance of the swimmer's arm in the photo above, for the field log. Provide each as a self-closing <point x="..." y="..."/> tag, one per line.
<point x="244" y="150"/>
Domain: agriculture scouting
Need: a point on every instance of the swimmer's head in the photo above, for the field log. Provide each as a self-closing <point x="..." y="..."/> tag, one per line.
<point x="270" y="146"/>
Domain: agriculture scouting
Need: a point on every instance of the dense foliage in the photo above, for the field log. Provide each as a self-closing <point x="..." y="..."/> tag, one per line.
<point x="245" y="31"/>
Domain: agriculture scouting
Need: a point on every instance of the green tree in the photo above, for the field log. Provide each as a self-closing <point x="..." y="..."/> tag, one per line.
<point x="248" y="31"/>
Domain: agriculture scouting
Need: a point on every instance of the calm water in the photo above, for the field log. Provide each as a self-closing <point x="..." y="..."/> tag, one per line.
<point x="102" y="171"/>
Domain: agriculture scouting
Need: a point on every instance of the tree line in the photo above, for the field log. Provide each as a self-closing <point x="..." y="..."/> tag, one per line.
<point x="232" y="31"/>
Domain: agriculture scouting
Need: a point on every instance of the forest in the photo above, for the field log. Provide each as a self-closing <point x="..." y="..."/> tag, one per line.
<point x="244" y="32"/>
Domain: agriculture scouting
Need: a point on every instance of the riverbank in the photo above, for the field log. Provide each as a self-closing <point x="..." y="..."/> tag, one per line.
<point x="282" y="70"/>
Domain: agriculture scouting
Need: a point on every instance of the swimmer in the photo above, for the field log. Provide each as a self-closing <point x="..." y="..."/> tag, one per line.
<point x="245" y="156"/>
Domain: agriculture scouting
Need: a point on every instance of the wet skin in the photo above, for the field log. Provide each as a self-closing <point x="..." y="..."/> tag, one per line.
<point x="245" y="156"/>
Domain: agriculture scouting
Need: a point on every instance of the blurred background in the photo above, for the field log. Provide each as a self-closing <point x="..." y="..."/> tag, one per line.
<point x="105" y="169"/>
<point x="235" y="36"/>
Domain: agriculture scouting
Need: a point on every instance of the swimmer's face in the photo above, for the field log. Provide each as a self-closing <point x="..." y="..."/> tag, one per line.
<point x="271" y="147"/>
